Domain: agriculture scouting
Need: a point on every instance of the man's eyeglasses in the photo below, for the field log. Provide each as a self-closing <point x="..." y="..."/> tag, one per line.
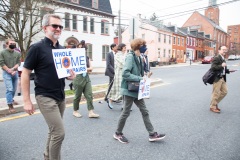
<point x="55" y="26"/>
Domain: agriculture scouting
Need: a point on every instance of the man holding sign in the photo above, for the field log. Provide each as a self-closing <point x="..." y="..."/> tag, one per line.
<point x="49" y="88"/>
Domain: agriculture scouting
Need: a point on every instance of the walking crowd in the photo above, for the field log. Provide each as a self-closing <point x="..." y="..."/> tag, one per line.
<point x="121" y="68"/>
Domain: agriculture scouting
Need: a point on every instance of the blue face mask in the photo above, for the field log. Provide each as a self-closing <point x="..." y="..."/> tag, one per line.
<point x="143" y="49"/>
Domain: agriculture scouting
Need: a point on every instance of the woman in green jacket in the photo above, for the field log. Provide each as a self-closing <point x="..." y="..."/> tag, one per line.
<point x="133" y="71"/>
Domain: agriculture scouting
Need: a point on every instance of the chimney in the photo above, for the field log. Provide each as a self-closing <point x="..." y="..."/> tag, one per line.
<point x="139" y="15"/>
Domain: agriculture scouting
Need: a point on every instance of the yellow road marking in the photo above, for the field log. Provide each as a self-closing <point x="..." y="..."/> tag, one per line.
<point x="67" y="106"/>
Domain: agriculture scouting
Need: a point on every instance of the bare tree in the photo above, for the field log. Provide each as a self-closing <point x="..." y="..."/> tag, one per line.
<point x="21" y="20"/>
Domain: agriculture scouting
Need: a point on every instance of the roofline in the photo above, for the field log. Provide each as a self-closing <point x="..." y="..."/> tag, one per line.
<point x="85" y="9"/>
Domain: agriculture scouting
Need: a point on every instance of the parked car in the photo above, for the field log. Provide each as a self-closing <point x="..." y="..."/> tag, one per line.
<point x="207" y="60"/>
<point x="232" y="57"/>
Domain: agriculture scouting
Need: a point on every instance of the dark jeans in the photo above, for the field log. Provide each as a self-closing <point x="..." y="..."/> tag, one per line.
<point x="128" y="102"/>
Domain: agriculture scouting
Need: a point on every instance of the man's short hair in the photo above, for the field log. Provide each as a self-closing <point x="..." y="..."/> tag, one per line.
<point x="220" y="47"/>
<point x="7" y="40"/>
<point x="113" y="45"/>
<point x="46" y="18"/>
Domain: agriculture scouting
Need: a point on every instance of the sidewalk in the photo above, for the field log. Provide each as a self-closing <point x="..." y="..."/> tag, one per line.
<point x="69" y="99"/>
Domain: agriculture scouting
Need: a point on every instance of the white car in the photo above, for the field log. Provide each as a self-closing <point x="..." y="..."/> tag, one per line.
<point x="231" y="57"/>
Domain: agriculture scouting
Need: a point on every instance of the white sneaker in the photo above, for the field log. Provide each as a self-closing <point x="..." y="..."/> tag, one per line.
<point x="76" y="114"/>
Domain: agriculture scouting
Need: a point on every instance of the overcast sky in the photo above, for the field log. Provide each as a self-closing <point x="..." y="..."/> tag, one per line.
<point x="229" y="13"/>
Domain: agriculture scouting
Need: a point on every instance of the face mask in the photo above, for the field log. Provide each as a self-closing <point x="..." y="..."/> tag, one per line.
<point x="12" y="46"/>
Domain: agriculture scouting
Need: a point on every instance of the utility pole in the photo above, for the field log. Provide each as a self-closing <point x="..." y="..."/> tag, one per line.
<point x="119" y="24"/>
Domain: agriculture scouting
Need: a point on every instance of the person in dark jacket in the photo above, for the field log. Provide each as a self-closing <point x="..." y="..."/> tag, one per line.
<point x="219" y="85"/>
<point x="110" y="67"/>
<point x="133" y="71"/>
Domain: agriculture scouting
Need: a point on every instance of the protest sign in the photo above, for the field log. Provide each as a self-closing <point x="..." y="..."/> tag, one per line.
<point x="66" y="59"/>
<point x="20" y="68"/>
<point x="144" y="89"/>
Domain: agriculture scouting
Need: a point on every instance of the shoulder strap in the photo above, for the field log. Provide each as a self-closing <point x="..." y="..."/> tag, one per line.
<point x="139" y="66"/>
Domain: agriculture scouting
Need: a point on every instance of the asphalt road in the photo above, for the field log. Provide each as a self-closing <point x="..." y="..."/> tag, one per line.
<point x="179" y="108"/>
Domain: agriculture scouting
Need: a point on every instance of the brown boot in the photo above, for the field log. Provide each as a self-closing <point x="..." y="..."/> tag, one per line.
<point x="11" y="109"/>
<point x="91" y="114"/>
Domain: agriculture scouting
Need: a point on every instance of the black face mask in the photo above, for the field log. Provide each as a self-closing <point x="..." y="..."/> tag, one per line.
<point x="12" y="46"/>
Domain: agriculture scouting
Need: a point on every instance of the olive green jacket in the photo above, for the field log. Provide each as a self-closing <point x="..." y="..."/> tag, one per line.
<point x="132" y="71"/>
<point x="9" y="58"/>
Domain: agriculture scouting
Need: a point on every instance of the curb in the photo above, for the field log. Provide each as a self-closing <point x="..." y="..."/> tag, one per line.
<point x="68" y="99"/>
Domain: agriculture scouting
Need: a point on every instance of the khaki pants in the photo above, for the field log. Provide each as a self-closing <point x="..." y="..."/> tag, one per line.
<point x="52" y="111"/>
<point x="218" y="93"/>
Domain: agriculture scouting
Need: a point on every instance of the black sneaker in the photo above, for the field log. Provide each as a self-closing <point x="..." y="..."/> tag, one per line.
<point x="156" y="137"/>
<point x="120" y="137"/>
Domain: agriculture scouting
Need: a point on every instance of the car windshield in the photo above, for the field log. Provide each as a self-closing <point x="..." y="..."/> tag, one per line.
<point x="208" y="57"/>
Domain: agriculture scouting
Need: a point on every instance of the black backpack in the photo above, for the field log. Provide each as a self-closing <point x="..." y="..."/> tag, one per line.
<point x="209" y="77"/>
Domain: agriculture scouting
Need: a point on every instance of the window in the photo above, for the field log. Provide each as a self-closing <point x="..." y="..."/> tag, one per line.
<point x="190" y="42"/>
<point x="169" y="53"/>
<point x="105" y="50"/>
<point x="159" y="37"/>
<point x="196" y="41"/>
<point x="164" y="40"/>
<point x="159" y="52"/>
<point x="174" y="40"/>
<point x="182" y="41"/>
<point x="67" y="20"/>
<point x="75" y="1"/>
<point x="169" y="39"/>
<point x="143" y="36"/>
<point x="178" y="42"/>
<point x="92" y="25"/>
<point x="104" y="27"/>
<point x="84" y="24"/>
<point x="187" y="40"/>
<point x="74" y="22"/>
<point x="89" y="51"/>
<point x="95" y="4"/>
<point x="164" y="53"/>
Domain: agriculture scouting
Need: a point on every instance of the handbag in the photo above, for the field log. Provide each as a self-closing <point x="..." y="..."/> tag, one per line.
<point x="133" y="86"/>
<point x="209" y="77"/>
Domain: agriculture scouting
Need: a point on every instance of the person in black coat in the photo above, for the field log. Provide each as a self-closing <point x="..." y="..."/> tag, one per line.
<point x="219" y="85"/>
<point x="110" y="66"/>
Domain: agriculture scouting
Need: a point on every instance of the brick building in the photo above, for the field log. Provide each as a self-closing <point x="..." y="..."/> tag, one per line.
<point x="209" y="24"/>
<point x="234" y="32"/>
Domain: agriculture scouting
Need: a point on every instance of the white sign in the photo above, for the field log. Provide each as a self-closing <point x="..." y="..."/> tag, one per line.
<point x="144" y="89"/>
<point x="66" y="59"/>
<point x="20" y="68"/>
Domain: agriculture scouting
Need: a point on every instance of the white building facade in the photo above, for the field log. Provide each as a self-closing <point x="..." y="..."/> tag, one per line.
<point x="85" y="20"/>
